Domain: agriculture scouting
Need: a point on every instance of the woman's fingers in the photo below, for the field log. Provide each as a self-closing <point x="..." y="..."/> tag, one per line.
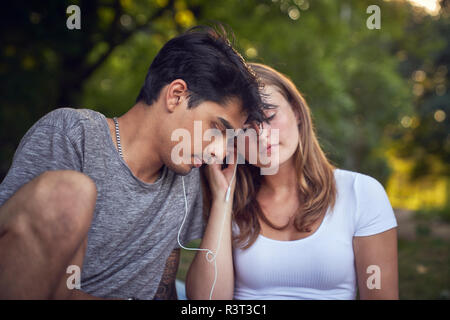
<point x="215" y="175"/>
<point x="219" y="179"/>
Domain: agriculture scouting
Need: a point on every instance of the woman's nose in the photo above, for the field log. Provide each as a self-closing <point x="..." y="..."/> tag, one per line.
<point x="265" y="131"/>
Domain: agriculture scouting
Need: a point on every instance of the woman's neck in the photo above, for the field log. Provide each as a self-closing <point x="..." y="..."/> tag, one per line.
<point x="284" y="181"/>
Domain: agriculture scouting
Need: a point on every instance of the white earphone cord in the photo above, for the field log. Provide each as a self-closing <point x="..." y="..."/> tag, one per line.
<point x="208" y="251"/>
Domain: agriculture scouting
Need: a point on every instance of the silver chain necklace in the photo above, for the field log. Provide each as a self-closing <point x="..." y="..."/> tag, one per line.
<point x="119" y="146"/>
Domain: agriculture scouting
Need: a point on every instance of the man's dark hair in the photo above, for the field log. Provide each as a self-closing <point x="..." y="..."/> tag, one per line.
<point x="213" y="71"/>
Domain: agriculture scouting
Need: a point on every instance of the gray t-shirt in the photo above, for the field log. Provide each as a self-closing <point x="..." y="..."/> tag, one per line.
<point x="135" y="224"/>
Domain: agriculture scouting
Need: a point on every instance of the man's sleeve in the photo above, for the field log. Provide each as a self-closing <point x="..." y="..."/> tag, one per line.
<point x="44" y="147"/>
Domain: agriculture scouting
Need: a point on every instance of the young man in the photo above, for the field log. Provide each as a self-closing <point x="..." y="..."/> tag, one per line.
<point x="105" y="195"/>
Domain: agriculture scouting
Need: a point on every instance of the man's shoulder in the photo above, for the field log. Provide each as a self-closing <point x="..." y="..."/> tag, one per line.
<point x="69" y="118"/>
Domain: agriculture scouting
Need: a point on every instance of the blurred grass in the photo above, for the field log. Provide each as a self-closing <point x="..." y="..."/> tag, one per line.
<point x="186" y="258"/>
<point x="442" y="214"/>
<point x="424" y="265"/>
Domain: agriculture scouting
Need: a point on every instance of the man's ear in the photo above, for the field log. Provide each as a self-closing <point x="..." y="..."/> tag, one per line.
<point x="176" y="94"/>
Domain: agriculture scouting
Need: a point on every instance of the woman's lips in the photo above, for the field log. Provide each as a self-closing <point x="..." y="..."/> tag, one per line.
<point x="270" y="146"/>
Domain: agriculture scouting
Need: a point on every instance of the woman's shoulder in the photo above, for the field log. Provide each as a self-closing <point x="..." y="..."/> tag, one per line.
<point x="358" y="183"/>
<point x="360" y="189"/>
<point x="373" y="211"/>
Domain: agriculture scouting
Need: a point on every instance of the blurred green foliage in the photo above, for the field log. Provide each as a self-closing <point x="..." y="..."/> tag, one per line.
<point x="358" y="82"/>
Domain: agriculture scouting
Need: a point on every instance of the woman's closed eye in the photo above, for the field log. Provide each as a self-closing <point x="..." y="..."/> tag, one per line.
<point x="270" y="114"/>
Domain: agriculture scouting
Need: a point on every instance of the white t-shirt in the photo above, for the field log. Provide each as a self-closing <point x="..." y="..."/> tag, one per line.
<point x="320" y="266"/>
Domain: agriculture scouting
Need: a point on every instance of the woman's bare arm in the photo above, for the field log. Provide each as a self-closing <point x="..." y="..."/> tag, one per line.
<point x="376" y="259"/>
<point x="200" y="276"/>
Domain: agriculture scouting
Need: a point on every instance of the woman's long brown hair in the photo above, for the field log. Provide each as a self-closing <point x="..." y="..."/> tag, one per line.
<point x="316" y="186"/>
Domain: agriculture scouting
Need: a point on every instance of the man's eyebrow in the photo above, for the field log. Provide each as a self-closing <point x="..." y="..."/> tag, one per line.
<point x="226" y="123"/>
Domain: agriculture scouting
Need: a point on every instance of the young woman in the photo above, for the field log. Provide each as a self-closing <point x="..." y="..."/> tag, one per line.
<point x="310" y="231"/>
